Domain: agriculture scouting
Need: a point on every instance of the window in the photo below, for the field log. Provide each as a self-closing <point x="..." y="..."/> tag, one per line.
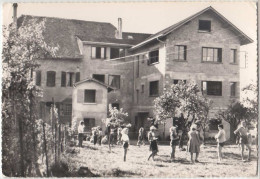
<point x="38" y="78"/>
<point x="77" y="77"/>
<point x="51" y="75"/>
<point x="98" y="52"/>
<point x="98" y="77"/>
<point x="211" y="54"/>
<point x="63" y="79"/>
<point x="70" y="79"/>
<point x="114" y="81"/>
<point x="89" y="123"/>
<point x="67" y="109"/>
<point x="177" y="81"/>
<point x="233" y="88"/>
<point x="153" y="57"/>
<point x="212" y="88"/>
<point x="233" y="56"/>
<point x="90" y="96"/>
<point x="154" y="88"/>
<point x="180" y="52"/>
<point x="142" y="89"/>
<point x="137" y="67"/>
<point x="205" y="25"/>
<point x="115" y="105"/>
<point x="117" y="52"/>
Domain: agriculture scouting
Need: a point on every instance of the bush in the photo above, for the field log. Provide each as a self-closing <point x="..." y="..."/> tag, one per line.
<point x="60" y="169"/>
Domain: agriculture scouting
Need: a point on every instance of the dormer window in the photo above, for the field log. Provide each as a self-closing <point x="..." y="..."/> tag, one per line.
<point x="205" y="25"/>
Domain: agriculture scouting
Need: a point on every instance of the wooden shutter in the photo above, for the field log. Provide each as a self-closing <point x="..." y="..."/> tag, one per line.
<point x="38" y="78"/>
<point x="99" y="96"/>
<point x="63" y="79"/>
<point x="77" y="77"/>
<point x="220" y="55"/>
<point x="80" y="96"/>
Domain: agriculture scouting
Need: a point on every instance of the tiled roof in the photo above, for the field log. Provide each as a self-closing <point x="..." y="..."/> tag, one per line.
<point x="110" y="88"/>
<point x="63" y="32"/>
<point x="127" y="38"/>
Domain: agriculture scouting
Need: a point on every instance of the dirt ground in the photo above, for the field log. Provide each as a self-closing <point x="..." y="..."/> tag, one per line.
<point x="104" y="163"/>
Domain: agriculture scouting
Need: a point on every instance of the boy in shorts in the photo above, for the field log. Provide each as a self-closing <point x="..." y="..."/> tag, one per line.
<point x="221" y="138"/>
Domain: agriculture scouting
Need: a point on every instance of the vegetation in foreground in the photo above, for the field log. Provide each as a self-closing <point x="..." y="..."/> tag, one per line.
<point x="101" y="162"/>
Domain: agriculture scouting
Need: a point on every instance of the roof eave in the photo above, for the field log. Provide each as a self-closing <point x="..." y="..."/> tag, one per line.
<point x="106" y="43"/>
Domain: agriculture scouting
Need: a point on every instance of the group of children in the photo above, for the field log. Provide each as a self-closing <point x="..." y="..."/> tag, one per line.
<point x="195" y="139"/>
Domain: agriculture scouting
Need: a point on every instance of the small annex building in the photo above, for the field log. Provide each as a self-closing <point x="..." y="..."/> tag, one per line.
<point x="89" y="103"/>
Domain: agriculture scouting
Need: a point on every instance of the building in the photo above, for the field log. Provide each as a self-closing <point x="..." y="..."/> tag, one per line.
<point x="203" y="48"/>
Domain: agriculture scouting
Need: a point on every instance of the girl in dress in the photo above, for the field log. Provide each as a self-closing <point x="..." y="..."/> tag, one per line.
<point x="174" y="140"/>
<point x="125" y="140"/>
<point x="140" y="136"/>
<point x="193" y="145"/>
<point x="153" y="143"/>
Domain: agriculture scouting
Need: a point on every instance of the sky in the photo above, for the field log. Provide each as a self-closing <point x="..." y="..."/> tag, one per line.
<point x="151" y="17"/>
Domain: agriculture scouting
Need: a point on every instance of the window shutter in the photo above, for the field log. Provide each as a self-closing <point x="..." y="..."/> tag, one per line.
<point x="219" y="55"/>
<point x="185" y="52"/>
<point x="77" y="77"/>
<point x="63" y="79"/>
<point x="80" y="96"/>
<point x="99" y="96"/>
<point x="38" y="78"/>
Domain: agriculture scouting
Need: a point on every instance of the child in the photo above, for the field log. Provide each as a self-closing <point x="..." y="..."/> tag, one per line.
<point x="125" y="140"/>
<point x="99" y="133"/>
<point x="153" y="143"/>
<point x="221" y="138"/>
<point x="80" y="133"/>
<point x="174" y="140"/>
<point x="141" y="137"/>
<point x="94" y="135"/>
<point x="242" y="130"/>
<point x="193" y="145"/>
<point x="119" y="135"/>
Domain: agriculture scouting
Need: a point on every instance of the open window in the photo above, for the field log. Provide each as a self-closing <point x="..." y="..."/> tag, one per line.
<point x="90" y="96"/>
<point x="233" y="89"/>
<point x="233" y="56"/>
<point x="51" y="76"/>
<point x="210" y="54"/>
<point x="213" y="88"/>
<point x="154" y="88"/>
<point x="116" y="53"/>
<point x="99" y="77"/>
<point x="114" y="81"/>
<point x="153" y="57"/>
<point x="205" y="25"/>
<point x="38" y="78"/>
<point x="89" y="123"/>
<point x="98" y="52"/>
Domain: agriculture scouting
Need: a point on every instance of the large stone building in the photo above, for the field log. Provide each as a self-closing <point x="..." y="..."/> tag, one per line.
<point x="203" y="48"/>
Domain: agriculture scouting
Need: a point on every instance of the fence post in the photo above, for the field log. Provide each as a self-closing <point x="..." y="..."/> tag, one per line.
<point x="45" y="149"/>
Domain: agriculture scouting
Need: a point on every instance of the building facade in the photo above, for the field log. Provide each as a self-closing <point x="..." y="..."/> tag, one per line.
<point x="203" y="48"/>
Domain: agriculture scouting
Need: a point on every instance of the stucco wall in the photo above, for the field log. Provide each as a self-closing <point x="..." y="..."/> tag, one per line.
<point x="81" y="110"/>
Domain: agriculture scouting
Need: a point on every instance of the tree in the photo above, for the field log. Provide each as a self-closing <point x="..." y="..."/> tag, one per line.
<point x="234" y="114"/>
<point x="116" y="118"/>
<point x="182" y="98"/>
<point x="21" y="49"/>
<point x="250" y="101"/>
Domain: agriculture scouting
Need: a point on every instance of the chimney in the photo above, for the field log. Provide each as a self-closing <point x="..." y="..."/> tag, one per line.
<point x="15" y="5"/>
<point x="119" y="28"/>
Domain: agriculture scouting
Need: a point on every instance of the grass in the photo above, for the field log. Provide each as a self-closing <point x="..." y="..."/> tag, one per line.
<point x="104" y="163"/>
